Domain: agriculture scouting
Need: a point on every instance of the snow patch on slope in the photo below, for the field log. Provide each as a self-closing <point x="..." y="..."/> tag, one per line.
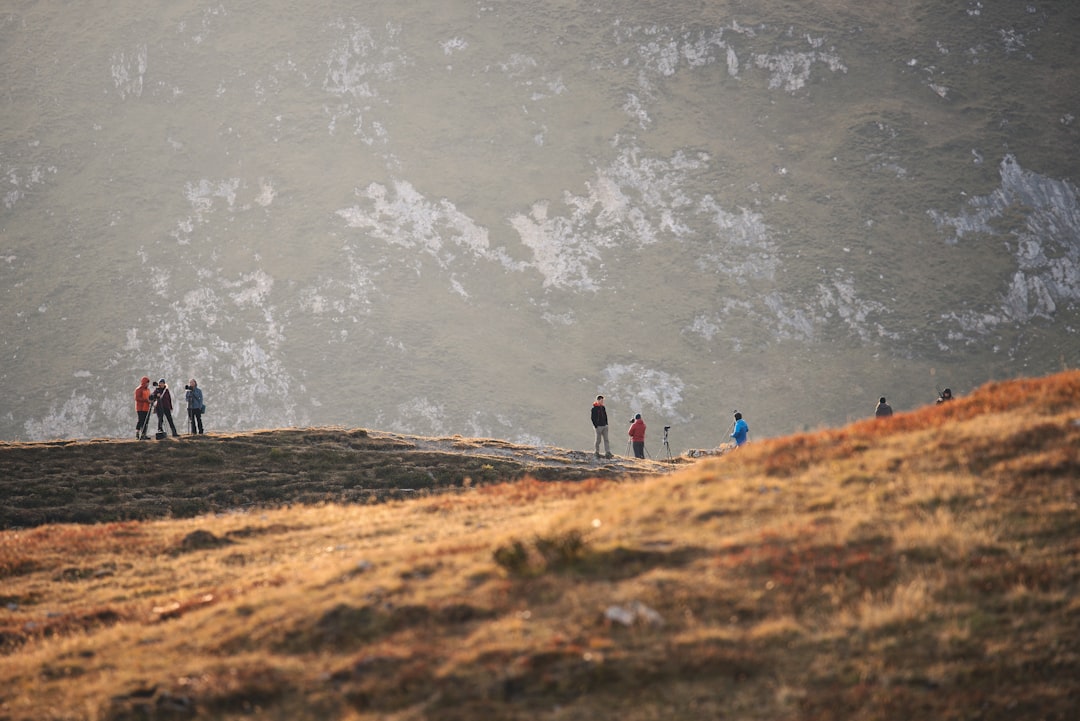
<point x="645" y="389"/>
<point x="1046" y="246"/>
<point x="634" y="202"/>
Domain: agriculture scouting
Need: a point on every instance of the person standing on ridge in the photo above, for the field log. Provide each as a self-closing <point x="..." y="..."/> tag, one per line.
<point x="600" y="424"/>
<point x="164" y="406"/>
<point x="883" y="410"/>
<point x="637" y="435"/>
<point x="142" y="407"/>
<point x="195" y="406"/>
<point x="740" y="430"/>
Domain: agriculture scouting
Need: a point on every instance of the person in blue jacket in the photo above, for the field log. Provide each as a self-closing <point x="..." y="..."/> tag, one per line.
<point x="195" y="406"/>
<point x="740" y="430"/>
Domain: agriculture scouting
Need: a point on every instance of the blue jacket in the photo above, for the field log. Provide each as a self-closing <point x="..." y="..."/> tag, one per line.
<point x="741" y="429"/>
<point x="194" y="399"/>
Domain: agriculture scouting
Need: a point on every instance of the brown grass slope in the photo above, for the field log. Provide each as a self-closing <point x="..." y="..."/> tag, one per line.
<point x="113" y="480"/>
<point x="925" y="566"/>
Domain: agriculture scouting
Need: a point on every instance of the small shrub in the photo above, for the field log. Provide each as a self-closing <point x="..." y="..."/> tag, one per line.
<point x="561" y="550"/>
<point x="545" y="553"/>
<point x="513" y="557"/>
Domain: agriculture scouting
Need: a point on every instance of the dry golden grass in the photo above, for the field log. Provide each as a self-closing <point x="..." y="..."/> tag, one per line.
<point x="924" y="566"/>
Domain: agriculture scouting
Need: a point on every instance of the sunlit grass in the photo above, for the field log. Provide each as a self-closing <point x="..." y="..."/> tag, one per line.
<point x="929" y="561"/>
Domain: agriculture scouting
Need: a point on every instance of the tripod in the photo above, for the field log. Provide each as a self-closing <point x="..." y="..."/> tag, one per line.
<point x="630" y="449"/>
<point x="141" y="430"/>
<point x="667" y="447"/>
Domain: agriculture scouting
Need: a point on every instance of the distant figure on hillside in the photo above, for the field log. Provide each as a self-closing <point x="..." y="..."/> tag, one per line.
<point x="600" y="424"/>
<point x="945" y="397"/>
<point x="164" y="406"/>
<point x="142" y="407"/>
<point x="195" y="406"/>
<point x="740" y="430"/>
<point x="637" y="435"/>
<point x="884" y="410"/>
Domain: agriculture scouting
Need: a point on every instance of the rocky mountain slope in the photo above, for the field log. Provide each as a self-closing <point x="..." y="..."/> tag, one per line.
<point x="445" y="217"/>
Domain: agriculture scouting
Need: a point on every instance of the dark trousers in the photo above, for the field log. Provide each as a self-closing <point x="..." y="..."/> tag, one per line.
<point x="194" y="420"/>
<point x="163" y="415"/>
<point x="143" y="423"/>
<point x="639" y="449"/>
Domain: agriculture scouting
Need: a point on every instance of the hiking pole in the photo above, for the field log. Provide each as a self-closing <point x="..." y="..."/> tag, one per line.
<point x="729" y="442"/>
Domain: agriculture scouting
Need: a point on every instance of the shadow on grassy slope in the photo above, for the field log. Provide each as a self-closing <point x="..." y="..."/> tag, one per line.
<point x="107" y="480"/>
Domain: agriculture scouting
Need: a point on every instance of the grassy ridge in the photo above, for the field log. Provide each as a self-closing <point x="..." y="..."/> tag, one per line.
<point x="924" y="566"/>
<point x="109" y="480"/>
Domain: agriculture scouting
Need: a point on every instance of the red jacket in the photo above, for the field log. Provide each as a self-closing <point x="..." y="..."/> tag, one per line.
<point x="142" y="395"/>
<point x="637" y="431"/>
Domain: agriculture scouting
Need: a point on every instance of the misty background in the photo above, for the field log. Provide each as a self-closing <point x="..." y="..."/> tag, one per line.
<point x="450" y="217"/>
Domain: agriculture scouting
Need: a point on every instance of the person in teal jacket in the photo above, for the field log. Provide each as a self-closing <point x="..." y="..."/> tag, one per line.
<point x="195" y="406"/>
<point x="740" y="430"/>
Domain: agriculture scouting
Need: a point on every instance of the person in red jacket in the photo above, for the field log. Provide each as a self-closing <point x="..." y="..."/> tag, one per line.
<point x="142" y="407"/>
<point x="637" y="435"/>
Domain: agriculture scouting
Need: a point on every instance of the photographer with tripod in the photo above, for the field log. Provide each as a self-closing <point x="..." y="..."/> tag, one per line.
<point x="195" y="406"/>
<point x="162" y="399"/>
<point x="637" y="436"/>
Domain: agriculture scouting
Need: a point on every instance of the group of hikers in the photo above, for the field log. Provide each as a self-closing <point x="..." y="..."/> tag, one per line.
<point x="160" y="401"/>
<point x="739" y="431"/>
<point x="739" y="428"/>
<point x="884" y="410"/>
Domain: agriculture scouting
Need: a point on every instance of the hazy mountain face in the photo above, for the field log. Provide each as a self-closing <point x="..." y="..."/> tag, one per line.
<point x="456" y="217"/>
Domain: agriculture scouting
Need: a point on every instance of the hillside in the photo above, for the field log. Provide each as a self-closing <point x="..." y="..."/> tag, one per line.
<point x="110" y="480"/>
<point x="923" y="566"/>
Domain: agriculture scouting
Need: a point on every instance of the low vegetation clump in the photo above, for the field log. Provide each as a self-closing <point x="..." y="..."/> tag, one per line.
<point x="922" y="566"/>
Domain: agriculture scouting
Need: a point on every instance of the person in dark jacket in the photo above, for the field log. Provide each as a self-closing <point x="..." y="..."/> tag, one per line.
<point x="195" y="406"/>
<point x="600" y="424"/>
<point x="142" y="407"/>
<point x="164" y="406"/>
<point x="946" y="396"/>
<point x="883" y="410"/>
<point x="637" y="435"/>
